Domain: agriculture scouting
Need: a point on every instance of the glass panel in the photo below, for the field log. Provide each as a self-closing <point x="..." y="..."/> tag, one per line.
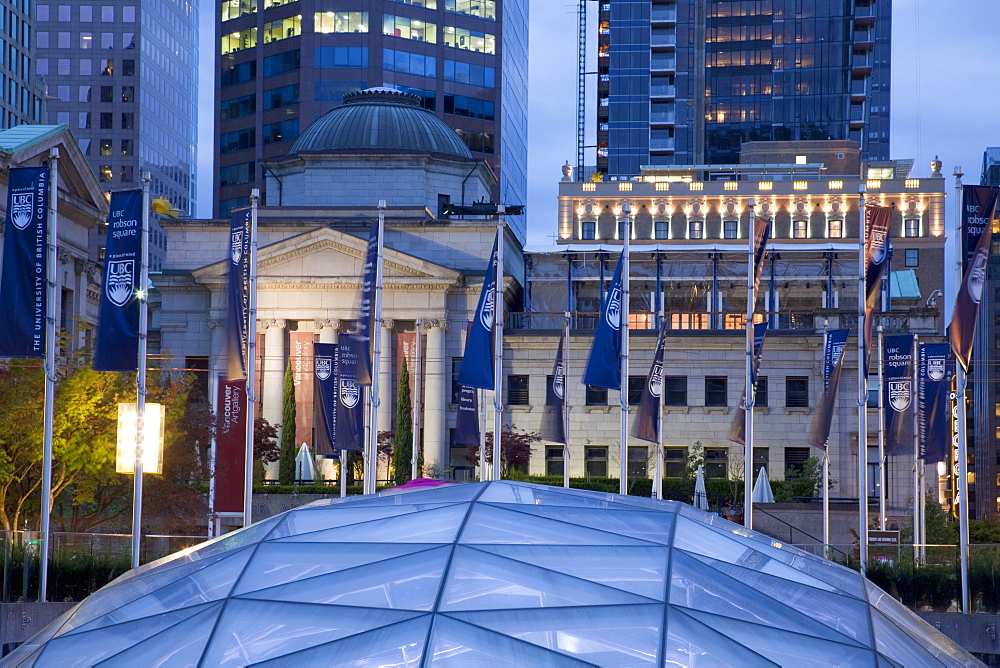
<point x="89" y="647"/>
<point x="696" y="585"/>
<point x="179" y="645"/>
<point x="899" y="646"/>
<point x="837" y="611"/>
<point x="399" y="645"/>
<point x="785" y="648"/>
<point x="279" y="563"/>
<point x="410" y="582"/>
<point x="307" y="521"/>
<point x="437" y="525"/>
<point x="691" y="643"/>
<point x="602" y="635"/>
<point x="637" y="569"/>
<point x="932" y="640"/>
<point x="653" y="527"/>
<point x="534" y="494"/>
<point x="252" y="631"/>
<point x="478" y="580"/>
<point x="456" y="643"/>
<point x="488" y="524"/>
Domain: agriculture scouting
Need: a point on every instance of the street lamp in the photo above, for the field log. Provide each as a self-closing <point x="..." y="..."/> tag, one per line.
<point x="152" y="438"/>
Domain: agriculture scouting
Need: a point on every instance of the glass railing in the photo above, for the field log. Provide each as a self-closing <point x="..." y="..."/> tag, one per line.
<point x="79" y="563"/>
<point x="926" y="578"/>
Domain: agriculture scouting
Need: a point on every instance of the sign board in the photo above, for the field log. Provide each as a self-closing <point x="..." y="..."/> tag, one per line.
<point x="876" y="537"/>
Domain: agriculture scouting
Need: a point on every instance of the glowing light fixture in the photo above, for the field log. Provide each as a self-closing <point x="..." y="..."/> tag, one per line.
<point x="152" y="448"/>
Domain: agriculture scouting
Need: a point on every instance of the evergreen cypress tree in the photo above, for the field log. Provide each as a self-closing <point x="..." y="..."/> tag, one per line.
<point x="402" y="451"/>
<point x="286" y="465"/>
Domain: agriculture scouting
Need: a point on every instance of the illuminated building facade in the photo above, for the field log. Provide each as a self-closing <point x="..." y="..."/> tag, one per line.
<point x="682" y="83"/>
<point x="283" y="65"/>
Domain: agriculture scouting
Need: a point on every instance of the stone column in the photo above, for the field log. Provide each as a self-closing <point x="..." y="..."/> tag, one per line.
<point x="328" y="330"/>
<point x="217" y="359"/>
<point x="273" y="363"/>
<point x="437" y="449"/>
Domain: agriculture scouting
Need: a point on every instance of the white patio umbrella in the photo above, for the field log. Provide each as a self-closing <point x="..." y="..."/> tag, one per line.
<point x="700" y="495"/>
<point x="762" y="488"/>
<point x="305" y="464"/>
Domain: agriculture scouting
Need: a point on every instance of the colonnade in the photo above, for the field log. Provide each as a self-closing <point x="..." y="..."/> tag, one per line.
<point x="436" y="378"/>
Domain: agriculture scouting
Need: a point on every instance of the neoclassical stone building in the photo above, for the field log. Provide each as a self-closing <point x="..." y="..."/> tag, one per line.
<point x="312" y="235"/>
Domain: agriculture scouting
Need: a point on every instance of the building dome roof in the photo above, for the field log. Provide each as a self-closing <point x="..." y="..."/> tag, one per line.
<point x="493" y="573"/>
<point x="382" y="119"/>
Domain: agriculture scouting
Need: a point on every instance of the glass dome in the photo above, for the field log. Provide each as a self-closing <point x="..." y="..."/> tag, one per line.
<point x="497" y="574"/>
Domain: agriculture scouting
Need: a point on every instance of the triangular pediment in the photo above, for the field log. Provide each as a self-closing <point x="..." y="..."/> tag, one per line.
<point x="334" y="256"/>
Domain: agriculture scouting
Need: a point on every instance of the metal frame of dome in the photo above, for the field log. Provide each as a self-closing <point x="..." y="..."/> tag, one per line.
<point x="381" y="119"/>
<point x="496" y="573"/>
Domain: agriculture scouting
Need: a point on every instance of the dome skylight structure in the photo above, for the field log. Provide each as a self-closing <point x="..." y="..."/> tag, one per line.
<point x="498" y="574"/>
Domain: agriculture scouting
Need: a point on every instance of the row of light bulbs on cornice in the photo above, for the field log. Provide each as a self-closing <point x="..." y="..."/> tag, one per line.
<point x="739" y="207"/>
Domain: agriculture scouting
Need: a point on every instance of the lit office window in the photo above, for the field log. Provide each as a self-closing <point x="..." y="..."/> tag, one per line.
<point x="327" y="22"/>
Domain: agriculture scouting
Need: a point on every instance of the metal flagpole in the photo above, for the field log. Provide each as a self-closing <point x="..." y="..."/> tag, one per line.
<point x="749" y="397"/>
<point x="416" y="405"/>
<point x="343" y="473"/>
<point x="498" y="346"/>
<point x="862" y="389"/>
<point x="50" y="374"/>
<point x="251" y="363"/>
<point x="881" y="432"/>
<point x="623" y="360"/>
<point x="961" y="382"/>
<point x="371" y="447"/>
<point x="916" y="446"/>
<point x="658" y="480"/>
<point x="213" y="400"/>
<point x="140" y="376"/>
<point x="481" y="396"/>
<point x="826" y="460"/>
<point x="565" y="415"/>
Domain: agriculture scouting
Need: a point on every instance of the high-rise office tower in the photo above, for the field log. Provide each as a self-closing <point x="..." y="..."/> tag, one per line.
<point x="283" y="65"/>
<point x="122" y="74"/>
<point x="684" y="82"/>
<point x="22" y="95"/>
<point x="984" y="379"/>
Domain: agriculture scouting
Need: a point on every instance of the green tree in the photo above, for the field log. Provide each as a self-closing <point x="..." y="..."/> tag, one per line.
<point x="402" y="451"/>
<point x="515" y="451"/>
<point x="286" y="462"/>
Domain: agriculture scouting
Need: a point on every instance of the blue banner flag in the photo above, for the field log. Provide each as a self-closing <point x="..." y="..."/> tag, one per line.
<point x="366" y="319"/>
<point x="935" y="368"/>
<point x="761" y="233"/>
<point x="554" y="426"/>
<point x="118" y="331"/>
<point x="24" y="280"/>
<point x="467" y="421"/>
<point x="326" y="360"/>
<point x="477" y="363"/>
<point x="738" y="430"/>
<point x="350" y="418"/>
<point x="978" y="207"/>
<point x="604" y="364"/>
<point x="898" y="393"/>
<point x="877" y="245"/>
<point x="833" y="363"/>
<point x="647" y="418"/>
<point x="238" y="316"/>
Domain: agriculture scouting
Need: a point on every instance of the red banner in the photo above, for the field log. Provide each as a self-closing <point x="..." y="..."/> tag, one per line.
<point x="301" y="356"/>
<point x="230" y="446"/>
<point x="406" y="343"/>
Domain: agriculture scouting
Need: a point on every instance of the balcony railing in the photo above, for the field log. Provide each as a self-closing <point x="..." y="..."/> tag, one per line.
<point x="718" y="322"/>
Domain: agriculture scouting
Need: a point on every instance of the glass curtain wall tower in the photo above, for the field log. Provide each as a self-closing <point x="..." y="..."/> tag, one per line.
<point x="283" y="65"/>
<point x="684" y="82"/>
<point x="122" y="75"/>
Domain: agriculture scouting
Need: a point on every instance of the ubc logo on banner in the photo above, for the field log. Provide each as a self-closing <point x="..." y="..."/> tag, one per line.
<point x="656" y="380"/>
<point x="21" y="206"/>
<point x="121" y="281"/>
<point x="488" y="309"/>
<point x="936" y="367"/>
<point x="899" y="395"/>
<point x="350" y="393"/>
<point x="237" y="246"/>
<point x="558" y="386"/>
<point x="977" y="275"/>
<point x="324" y="367"/>
<point x="613" y="314"/>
